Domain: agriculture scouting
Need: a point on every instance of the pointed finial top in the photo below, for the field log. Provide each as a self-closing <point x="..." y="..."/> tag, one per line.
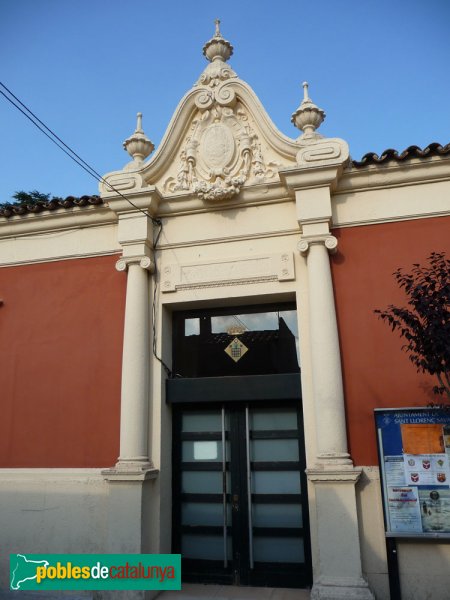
<point x="306" y="98"/>
<point x="139" y="123"/>
<point x="217" y="48"/>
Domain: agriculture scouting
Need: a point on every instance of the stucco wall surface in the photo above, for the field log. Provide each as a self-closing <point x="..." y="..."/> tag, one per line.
<point x="376" y="372"/>
<point x="61" y="329"/>
<point x="51" y="511"/>
<point x="424" y="570"/>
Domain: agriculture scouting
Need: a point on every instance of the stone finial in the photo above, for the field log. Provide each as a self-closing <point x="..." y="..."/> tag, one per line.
<point x="138" y="145"/>
<point x="308" y="117"/>
<point x="217" y="48"/>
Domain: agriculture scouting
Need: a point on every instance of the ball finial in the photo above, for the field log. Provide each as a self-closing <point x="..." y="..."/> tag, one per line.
<point x="308" y="117"/>
<point x="138" y="145"/>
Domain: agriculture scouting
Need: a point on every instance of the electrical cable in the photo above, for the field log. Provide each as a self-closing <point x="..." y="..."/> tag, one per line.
<point x="93" y="173"/>
<point x="155" y="291"/>
<point x="82" y="163"/>
<point x="45" y="133"/>
<point x="48" y="129"/>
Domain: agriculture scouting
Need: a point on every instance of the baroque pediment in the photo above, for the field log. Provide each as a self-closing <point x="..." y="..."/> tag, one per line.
<point x="223" y="148"/>
<point x="220" y="140"/>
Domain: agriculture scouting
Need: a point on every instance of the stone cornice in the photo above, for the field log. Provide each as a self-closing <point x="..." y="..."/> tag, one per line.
<point x="415" y="171"/>
<point x="307" y="177"/>
<point x="57" y="221"/>
<point x="147" y="199"/>
<point x="254" y="195"/>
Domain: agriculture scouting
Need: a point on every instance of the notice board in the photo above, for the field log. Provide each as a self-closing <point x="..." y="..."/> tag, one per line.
<point x="414" y="453"/>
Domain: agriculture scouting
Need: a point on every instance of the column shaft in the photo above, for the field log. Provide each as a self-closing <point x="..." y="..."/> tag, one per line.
<point x="135" y="369"/>
<point x="325" y="356"/>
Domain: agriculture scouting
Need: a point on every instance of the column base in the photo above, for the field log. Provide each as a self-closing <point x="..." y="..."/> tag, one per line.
<point x="135" y="463"/>
<point x="339" y="573"/>
<point x="341" y="589"/>
<point x="335" y="458"/>
<point x="130" y="471"/>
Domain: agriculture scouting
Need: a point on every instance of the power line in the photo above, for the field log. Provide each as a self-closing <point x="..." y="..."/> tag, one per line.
<point x="93" y="173"/>
<point x="45" y="133"/>
<point x="48" y="129"/>
<point x="71" y="154"/>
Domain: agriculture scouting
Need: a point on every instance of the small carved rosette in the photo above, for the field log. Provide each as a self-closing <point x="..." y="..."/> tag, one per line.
<point x="222" y="151"/>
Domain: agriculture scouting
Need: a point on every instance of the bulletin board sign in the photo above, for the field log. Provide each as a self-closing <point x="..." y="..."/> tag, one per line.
<point x="414" y="453"/>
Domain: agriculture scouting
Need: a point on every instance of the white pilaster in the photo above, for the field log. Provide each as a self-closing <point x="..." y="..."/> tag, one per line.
<point x="131" y="478"/>
<point x="337" y="571"/>
<point x="135" y="235"/>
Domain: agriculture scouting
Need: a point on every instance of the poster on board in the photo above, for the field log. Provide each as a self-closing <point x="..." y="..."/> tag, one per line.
<point x="414" y="451"/>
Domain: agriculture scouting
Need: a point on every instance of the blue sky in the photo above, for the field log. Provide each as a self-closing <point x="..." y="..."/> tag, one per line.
<point x="380" y="70"/>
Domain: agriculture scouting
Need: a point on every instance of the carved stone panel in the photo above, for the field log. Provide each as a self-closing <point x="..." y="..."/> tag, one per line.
<point x="221" y="152"/>
<point x="217" y="147"/>
<point x="239" y="271"/>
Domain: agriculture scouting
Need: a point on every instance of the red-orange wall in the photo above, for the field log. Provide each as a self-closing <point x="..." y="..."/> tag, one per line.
<point x="61" y="330"/>
<point x="377" y="373"/>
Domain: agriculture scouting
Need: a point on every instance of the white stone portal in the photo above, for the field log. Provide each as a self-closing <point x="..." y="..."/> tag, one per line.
<point x="219" y="147"/>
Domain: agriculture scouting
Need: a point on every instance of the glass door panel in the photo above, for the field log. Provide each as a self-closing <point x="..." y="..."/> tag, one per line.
<point x="274" y="450"/>
<point x="263" y="419"/>
<point x="201" y="479"/>
<point x="276" y="509"/>
<point x="278" y="549"/>
<point x="203" y="513"/>
<point x="269" y="515"/>
<point x="240" y="512"/>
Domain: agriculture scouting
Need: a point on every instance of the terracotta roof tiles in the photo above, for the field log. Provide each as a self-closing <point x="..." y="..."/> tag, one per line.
<point x="411" y="152"/>
<point x="8" y="210"/>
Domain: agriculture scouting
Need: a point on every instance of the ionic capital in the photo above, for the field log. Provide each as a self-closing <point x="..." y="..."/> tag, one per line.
<point x="145" y="262"/>
<point x="329" y="241"/>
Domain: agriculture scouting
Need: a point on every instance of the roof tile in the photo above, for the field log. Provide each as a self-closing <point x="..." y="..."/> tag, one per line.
<point x="9" y="210"/>
<point x="371" y="158"/>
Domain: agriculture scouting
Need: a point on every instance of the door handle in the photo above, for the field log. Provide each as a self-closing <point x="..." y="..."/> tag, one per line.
<point x="249" y="488"/>
<point x="224" y="492"/>
<point x="235" y="502"/>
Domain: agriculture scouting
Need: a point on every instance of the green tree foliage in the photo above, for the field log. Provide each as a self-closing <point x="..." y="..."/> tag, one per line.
<point x="31" y="198"/>
<point x="425" y="323"/>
